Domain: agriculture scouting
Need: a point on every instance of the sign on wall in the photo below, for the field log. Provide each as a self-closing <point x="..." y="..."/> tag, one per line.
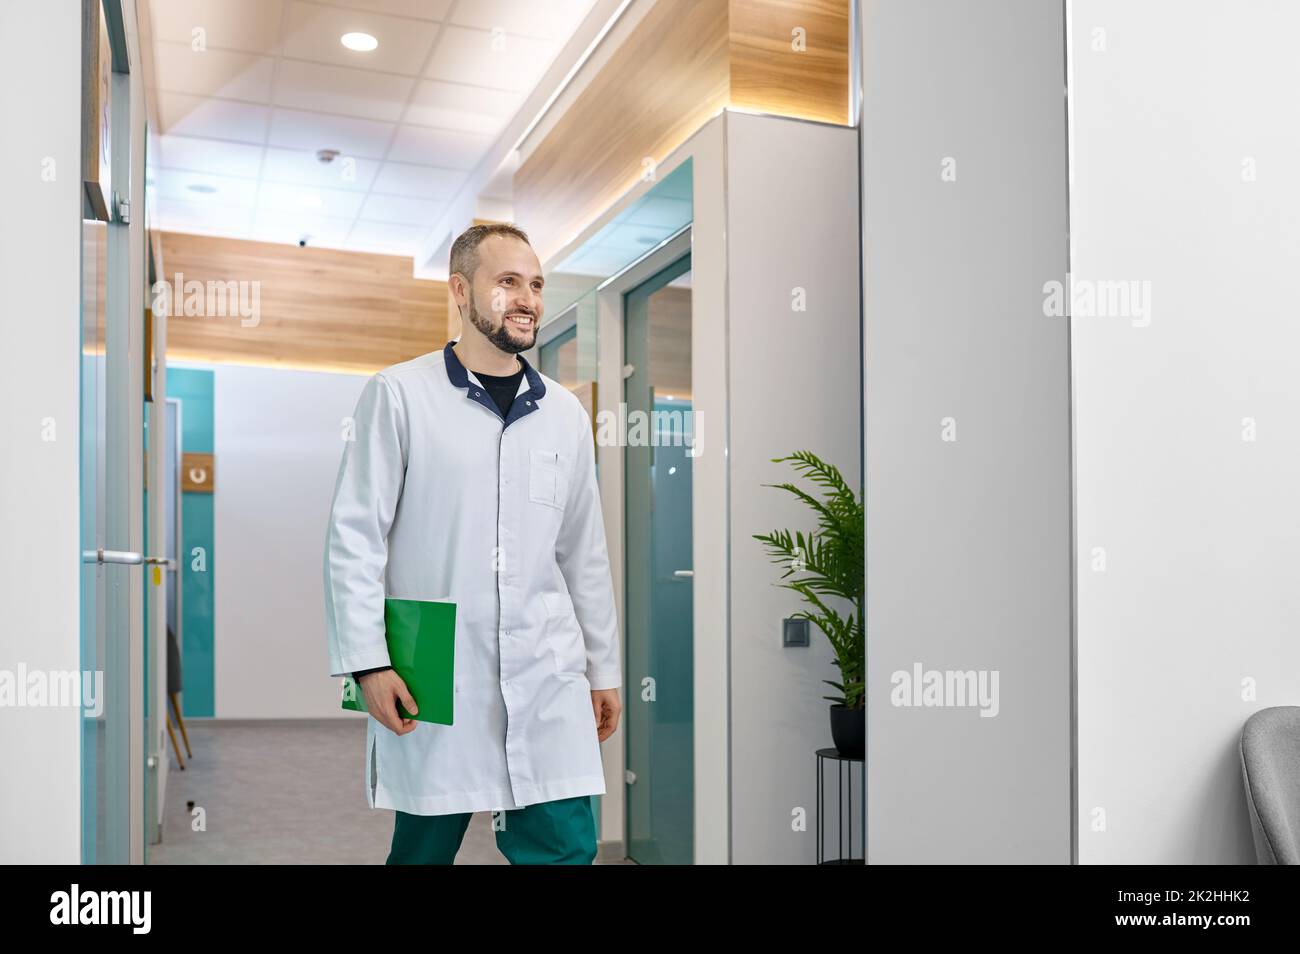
<point x="196" y="473"/>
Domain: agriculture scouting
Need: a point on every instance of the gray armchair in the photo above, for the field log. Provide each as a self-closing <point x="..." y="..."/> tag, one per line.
<point x="1270" y="767"/>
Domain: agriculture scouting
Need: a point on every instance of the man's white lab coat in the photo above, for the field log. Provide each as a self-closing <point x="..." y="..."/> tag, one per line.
<point x="438" y="498"/>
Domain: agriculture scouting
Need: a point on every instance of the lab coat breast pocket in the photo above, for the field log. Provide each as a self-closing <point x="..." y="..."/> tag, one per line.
<point x="548" y="478"/>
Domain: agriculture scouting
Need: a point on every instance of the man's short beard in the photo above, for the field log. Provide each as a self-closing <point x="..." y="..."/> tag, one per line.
<point x="500" y="335"/>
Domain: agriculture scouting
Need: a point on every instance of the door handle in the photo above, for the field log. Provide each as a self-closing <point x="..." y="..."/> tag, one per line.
<point x="129" y="557"/>
<point x="112" y="556"/>
<point x="684" y="574"/>
<point x="629" y="776"/>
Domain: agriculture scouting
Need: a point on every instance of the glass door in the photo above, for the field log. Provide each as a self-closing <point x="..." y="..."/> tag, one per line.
<point x="559" y="357"/>
<point x="97" y="785"/>
<point x="658" y="588"/>
<point x="110" y="434"/>
<point x="161" y="491"/>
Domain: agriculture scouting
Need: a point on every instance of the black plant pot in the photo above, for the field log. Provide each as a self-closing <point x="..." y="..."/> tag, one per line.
<point x="849" y="731"/>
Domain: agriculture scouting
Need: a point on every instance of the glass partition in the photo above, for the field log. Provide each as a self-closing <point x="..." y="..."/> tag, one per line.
<point x="658" y="214"/>
<point x="567" y="352"/>
<point x="570" y="293"/>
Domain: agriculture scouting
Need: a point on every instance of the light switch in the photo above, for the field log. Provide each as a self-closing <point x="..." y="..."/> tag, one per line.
<point x="794" y="632"/>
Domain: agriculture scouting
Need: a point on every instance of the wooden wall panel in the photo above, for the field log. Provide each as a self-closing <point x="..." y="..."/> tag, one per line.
<point x="669" y="77"/>
<point x="94" y="285"/>
<point x="670" y="341"/>
<point x="682" y="64"/>
<point x="319" y="309"/>
<point x="769" y="75"/>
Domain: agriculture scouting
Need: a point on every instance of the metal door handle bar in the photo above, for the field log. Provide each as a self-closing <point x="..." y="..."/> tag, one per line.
<point x="129" y="557"/>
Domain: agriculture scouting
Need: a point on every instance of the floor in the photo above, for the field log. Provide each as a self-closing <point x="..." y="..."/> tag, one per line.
<point x="286" y="793"/>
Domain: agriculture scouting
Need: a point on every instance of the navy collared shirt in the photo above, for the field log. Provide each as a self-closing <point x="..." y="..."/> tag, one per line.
<point x="525" y="403"/>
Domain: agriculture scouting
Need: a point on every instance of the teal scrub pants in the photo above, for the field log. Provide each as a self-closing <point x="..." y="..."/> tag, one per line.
<point x="562" y="832"/>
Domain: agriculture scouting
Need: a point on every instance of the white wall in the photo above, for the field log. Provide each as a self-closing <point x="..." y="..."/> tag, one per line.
<point x="1198" y="526"/>
<point x="792" y="222"/>
<point x="968" y="540"/>
<point x="40" y="366"/>
<point x="278" y="438"/>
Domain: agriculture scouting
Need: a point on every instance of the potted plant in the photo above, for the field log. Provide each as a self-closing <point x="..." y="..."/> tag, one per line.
<point x="826" y="566"/>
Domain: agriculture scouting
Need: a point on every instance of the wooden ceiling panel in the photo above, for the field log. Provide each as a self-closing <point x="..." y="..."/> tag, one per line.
<point x="315" y="308"/>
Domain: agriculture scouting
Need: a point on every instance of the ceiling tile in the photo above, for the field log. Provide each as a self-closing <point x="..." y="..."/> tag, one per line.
<point x="249" y="25"/>
<point x="418" y="9"/>
<point x="225" y="190"/>
<point x="270" y="225"/>
<point x="249" y="90"/>
<point x="334" y="89"/>
<point x="213" y="72"/>
<point x="314" y="31"/>
<point x="598" y="261"/>
<point x="209" y="155"/>
<point x="363" y="138"/>
<point x="502" y="183"/>
<point x="312" y="200"/>
<point x="186" y="115"/>
<point x="403" y="209"/>
<point x="439" y="147"/>
<point x="505" y="61"/>
<point x="468" y="108"/>
<point x="658" y="211"/>
<point x="425" y="182"/>
<point x="545" y="19"/>
<point x="301" y="166"/>
<point x="204" y="218"/>
<point x="387" y="238"/>
<point x="633" y="239"/>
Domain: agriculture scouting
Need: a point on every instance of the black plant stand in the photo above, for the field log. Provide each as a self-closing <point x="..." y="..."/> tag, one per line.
<point x="845" y="769"/>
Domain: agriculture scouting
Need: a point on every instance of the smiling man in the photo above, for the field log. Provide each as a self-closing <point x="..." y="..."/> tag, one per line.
<point x="472" y="479"/>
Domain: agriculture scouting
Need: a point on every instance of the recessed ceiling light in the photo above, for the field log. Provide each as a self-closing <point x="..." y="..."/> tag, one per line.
<point x="361" y="42"/>
<point x="201" y="188"/>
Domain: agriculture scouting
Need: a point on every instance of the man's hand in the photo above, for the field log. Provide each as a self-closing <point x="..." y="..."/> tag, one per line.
<point x="382" y="691"/>
<point x="605" y="704"/>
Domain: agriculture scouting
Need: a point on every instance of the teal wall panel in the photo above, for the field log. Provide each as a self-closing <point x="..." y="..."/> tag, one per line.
<point x="194" y="388"/>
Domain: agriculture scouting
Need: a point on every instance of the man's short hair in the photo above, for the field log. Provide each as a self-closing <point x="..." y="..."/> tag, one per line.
<point x="464" y="251"/>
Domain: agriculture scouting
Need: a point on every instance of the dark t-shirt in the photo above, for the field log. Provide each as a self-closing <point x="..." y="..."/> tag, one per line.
<point x="503" y="391"/>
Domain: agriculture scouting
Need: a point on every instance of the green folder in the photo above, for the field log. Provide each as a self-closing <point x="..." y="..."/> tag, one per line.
<point x="421" y="637"/>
